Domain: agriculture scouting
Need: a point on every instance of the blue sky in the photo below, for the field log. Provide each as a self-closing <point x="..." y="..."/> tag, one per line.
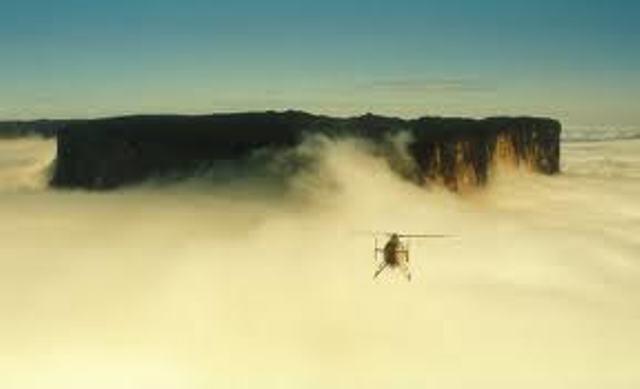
<point x="578" y="61"/>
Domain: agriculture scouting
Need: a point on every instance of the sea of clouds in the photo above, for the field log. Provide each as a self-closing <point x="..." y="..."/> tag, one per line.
<point x="258" y="280"/>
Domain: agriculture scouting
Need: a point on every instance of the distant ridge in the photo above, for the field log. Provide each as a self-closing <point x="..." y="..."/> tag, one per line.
<point x="41" y="128"/>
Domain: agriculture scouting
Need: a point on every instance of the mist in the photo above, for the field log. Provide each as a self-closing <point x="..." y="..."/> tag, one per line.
<point x="244" y="277"/>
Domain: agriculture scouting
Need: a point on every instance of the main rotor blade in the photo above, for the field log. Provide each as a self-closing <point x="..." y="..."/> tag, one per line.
<point x="379" y="233"/>
<point x="424" y="236"/>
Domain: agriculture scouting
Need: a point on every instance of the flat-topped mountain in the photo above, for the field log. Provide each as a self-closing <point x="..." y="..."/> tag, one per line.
<point x="108" y="153"/>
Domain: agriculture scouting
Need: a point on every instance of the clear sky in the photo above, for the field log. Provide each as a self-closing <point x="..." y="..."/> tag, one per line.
<point x="578" y="61"/>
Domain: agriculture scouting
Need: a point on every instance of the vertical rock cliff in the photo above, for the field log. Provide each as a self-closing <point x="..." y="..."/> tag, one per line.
<point x="460" y="152"/>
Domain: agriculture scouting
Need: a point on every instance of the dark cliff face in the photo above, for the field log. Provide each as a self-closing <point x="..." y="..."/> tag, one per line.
<point x="108" y="153"/>
<point x="462" y="152"/>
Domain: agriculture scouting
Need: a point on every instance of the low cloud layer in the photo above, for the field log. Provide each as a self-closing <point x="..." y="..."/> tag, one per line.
<point x="231" y="283"/>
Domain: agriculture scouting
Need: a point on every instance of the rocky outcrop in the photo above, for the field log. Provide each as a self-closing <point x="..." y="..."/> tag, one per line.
<point x="108" y="153"/>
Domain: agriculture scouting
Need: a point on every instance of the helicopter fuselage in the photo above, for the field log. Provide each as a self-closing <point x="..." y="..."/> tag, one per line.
<point x="395" y="253"/>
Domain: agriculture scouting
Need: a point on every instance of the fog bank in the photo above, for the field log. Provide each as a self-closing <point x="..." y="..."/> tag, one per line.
<point x="255" y="280"/>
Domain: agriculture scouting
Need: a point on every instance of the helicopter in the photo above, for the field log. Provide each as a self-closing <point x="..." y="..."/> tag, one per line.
<point x="395" y="253"/>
